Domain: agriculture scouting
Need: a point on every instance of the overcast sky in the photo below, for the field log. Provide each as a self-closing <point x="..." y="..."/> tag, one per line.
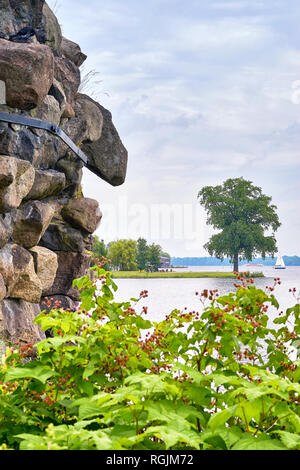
<point x="200" y="91"/>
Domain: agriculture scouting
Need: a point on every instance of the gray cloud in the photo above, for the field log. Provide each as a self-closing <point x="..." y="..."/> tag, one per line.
<point x="199" y="91"/>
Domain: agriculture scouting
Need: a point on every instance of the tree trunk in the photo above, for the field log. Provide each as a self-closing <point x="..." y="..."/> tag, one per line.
<point x="236" y="263"/>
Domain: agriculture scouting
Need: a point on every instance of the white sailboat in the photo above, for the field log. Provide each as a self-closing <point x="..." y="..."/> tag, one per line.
<point x="279" y="263"/>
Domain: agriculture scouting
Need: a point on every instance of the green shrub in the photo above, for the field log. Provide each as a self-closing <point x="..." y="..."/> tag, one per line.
<point x="219" y="379"/>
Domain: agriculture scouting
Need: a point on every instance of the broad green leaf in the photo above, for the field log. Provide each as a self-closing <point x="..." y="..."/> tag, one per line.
<point x="102" y="440"/>
<point x="38" y="373"/>
<point x="216" y="442"/>
<point x="122" y="431"/>
<point x="254" y="443"/>
<point x="193" y="373"/>
<point x="81" y="282"/>
<point x="171" y="435"/>
<point x="221" y="417"/>
<point x="90" y="410"/>
<point x="230" y="435"/>
<point x="274" y="301"/>
<point x="197" y="394"/>
<point x="32" y="442"/>
<point x="291" y="441"/>
<point x="142" y="323"/>
<point x="90" y="369"/>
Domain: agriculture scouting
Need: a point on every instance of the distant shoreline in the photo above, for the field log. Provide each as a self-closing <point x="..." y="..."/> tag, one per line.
<point x="174" y="275"/>
<point x="212" y="261"/>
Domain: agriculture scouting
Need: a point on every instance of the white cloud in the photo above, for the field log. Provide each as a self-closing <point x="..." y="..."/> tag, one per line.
<point x="199" y="92"/>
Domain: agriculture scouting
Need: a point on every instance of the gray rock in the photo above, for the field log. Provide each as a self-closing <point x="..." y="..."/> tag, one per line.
<point x="16" y="321"/>
<point x="53" y="29"/>
<point x="45" y="263"/>
<point x="70" y="266"/>
<point x="39" y="174"/>
<point x="87" y="124"/>
<point x="61" y="237"/>
<point x="17" y="270"/>
<point x="57" y="91"/>
<point x="72" y="51"/>
<point x="72" y="168"/>
<point x="30" y="222"/>
<point x="16" y="180"/>
<point x="2" y="288"/>
<point x="49" y="110"/>
<point x="82" y="213"/>
<point x="28" y="72"/>
<point x="5" y="231"/>
<point x="37" y="147"/>
<point x="16" y="15"/>
<point x="68" y="74"/>
<point x="108" y="154"/>
<point x="47" y="183"/>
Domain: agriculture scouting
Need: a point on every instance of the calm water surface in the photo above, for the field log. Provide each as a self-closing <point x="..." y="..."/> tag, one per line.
<point x="164" y="295"/>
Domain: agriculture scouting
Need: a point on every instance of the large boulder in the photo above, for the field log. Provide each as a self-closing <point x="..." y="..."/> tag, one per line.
<point x="16" y="180"/>
<point x="49" y="110"/>
<point x="16" y="15"/>
<point x="46" y="183"/>
<point x="53" y="29"/>
<point x="82" y="213"/>
<point x="87" y="124"/>
<point x="70" y="266"/>
<point x="107" y="155"/>
<point x="57" y="91"/>
<point x="68" y="74"/>
<point x="17" y="321"/>
<point x="30" y="222"/>
<point x="61" y="237"/>
<point x="45" y="263"/>
<point x="36" y="146"/>
<point x="72" y="51"/>
<point x="18" y="272"/>
<point x="28" y="72"/>
<point x="72" y="168"/>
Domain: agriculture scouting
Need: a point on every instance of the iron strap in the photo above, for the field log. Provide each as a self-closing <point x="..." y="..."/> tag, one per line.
<point x="46" y="126"/>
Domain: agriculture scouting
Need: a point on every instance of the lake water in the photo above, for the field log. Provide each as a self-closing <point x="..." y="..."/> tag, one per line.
<point x="164" y="295"/>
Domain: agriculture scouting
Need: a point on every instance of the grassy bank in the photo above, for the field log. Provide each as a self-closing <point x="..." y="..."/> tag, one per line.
<point x="162" y="275"/>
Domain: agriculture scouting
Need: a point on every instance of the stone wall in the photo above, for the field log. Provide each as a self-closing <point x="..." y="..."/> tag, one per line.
<point x="46" y="225"/>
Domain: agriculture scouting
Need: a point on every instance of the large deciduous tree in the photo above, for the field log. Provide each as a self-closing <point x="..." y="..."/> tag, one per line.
<point x="243" y="214"/>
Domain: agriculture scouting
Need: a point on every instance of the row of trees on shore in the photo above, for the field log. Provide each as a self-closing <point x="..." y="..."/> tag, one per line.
<point x="245" y="218"/>
<point x="129" y="255"/>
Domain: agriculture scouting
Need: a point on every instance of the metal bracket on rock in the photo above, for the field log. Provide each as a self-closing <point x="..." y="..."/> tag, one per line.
<point x="54" y="130"/>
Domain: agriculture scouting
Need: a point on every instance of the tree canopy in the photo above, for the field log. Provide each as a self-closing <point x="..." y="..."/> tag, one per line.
<point x="128" y="255"/>
<point x="122" y="254"/>
<point x="142" y="256"/>
<point x="149" y="256"/>
<point x="243" y="213"/>
<point x="155" y="253"/>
